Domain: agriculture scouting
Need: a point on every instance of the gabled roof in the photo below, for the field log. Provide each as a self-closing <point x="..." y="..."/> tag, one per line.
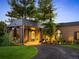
<point x="20" y="22"/>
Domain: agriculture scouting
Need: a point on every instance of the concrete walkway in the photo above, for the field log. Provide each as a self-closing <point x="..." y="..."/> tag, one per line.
<point x="56" y="52"/>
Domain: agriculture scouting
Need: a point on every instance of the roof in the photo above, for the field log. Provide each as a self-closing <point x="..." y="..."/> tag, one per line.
<point x="20" y="22"/>
<point x="69" y="24"/>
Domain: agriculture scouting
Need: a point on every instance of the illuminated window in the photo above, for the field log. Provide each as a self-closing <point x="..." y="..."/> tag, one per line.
<point x="76" y="35"/>
<point x="33" y="34"/>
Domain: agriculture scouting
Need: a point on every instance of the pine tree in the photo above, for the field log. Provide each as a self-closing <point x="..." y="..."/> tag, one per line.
<point x="22" y="8"/>
<point x="12" y="13"/>
<point x="46" y="10"/>
<point x="47" y="13"/>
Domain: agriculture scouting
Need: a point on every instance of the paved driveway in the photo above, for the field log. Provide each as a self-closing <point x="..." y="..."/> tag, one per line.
<point x="56" y="52"/>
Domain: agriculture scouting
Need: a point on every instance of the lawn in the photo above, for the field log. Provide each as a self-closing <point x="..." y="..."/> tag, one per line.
<point x="72" y="46"/>
<point x="17" y="52"/>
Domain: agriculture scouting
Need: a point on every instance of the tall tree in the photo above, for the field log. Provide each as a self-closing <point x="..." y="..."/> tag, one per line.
<point x="47" y="13"/>
<point x="13" y="13"/>
<point x="22" y="8"/>
<point x="46" y="10"/>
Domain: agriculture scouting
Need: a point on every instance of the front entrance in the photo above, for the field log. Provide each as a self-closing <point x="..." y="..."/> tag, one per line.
<point x="32" y="36"/>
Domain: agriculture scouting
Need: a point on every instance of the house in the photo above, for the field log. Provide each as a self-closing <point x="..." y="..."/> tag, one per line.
<point x="70" y="31"/>
<point x="26" y="32"/>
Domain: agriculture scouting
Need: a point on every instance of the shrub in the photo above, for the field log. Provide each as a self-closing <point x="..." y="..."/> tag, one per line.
<point x="2" y="28"/>
<point x="5" y="40"/>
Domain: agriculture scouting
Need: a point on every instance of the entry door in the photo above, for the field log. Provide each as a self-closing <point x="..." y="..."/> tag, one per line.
<point x="32" y="35"/>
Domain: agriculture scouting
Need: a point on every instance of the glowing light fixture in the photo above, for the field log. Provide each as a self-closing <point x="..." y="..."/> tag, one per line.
<point x="32" y="28"/>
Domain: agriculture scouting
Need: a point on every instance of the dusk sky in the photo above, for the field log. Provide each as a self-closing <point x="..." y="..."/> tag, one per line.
<point x="67" y="10"/>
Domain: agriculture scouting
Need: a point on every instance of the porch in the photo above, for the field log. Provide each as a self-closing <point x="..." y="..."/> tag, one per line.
<point x="27" y="35"/>
<point x="26" y="32"/>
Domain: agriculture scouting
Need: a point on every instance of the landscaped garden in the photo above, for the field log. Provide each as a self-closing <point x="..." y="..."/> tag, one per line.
<point x="17" y="52"/>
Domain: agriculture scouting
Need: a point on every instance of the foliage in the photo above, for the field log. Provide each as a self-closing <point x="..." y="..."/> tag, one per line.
<point x="46" y="13"/>
<point x="46" y="10"/>
<point x="49" y="29"/>
<point x="17" y="52"/>
<point x="27" y="8"/>
<point x="5" y="40"/>
<point x="4" y="37"/>
<point x="61" y="41"/>
<point x="22" y="8"/>
<point x="2" y="28"/>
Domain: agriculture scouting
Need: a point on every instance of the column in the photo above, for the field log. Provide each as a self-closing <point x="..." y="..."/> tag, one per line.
<point x="22" y="35"/>
<point x="41" y="34"/>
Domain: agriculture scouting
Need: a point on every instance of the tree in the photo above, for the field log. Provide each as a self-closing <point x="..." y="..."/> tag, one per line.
<point x="5" y="38"/>
<point x="46" y="10"/>
<point x="49" y="29"/>
<point x="13" y="13"/>
<point x="47" y="13"/>
<point x="22" y="8"/>
<point x="2" y="28"/>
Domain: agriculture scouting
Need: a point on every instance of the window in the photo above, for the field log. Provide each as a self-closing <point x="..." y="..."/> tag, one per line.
<point x="76" y="35"/>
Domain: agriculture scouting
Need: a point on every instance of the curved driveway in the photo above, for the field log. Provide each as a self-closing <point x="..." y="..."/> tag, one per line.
<point x="56" y="52"/>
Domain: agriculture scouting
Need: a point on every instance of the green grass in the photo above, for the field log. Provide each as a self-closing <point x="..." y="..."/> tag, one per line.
<point x="72" y="46"/>
<point x="17" y="52"/>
